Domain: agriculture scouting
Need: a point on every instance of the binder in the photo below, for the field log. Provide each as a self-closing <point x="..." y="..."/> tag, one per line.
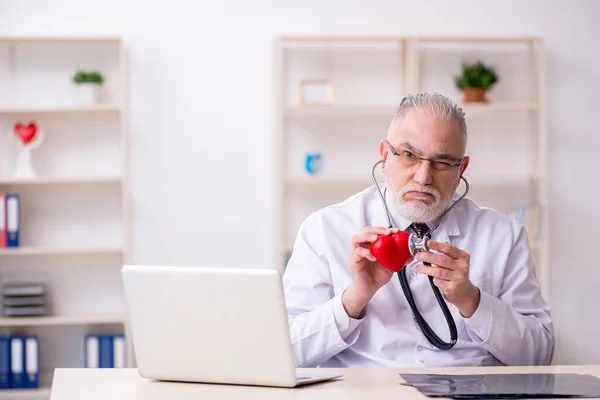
<point x="2" y="220"/>
<point x="4" y="362"/>
<point x="32" y="363"/>
<point x="92" y="351"/>
<point x="119" y="354"/>
<point x="17" y="362"/>
<point x="13" y="222"/>
<point x="105" y="351"/>
<point x="105" y="358"/>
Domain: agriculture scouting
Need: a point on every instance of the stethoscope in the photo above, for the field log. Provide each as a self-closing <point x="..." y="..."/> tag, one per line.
<point x="417" y="244"/>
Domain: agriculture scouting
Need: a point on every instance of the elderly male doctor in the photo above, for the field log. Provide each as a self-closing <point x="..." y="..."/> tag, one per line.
<point x="346" y="310"/>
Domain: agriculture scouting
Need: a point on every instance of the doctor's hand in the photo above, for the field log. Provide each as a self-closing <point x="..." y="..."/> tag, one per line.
<point x="367" y="274"/>
<point x="450" y="272"/>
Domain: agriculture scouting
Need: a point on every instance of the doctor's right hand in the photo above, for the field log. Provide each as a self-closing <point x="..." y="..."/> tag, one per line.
<point x="367" y="274"/>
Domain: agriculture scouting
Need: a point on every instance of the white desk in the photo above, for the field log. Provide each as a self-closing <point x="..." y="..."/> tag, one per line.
<point x="357" y="383"/>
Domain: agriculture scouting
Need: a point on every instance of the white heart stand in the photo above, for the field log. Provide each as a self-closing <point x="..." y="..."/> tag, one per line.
<point x="25" y="170"/>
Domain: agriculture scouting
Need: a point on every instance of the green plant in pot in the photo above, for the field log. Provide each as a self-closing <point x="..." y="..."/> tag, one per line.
<point x="475" y="80"/>
<point x="88" y="86"/>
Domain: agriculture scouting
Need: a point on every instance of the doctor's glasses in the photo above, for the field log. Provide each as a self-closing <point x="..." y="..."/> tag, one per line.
<point x="410" y="159"/>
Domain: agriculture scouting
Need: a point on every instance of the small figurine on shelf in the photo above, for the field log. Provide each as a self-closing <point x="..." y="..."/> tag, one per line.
<point x="88" y="86"/>
<point x="30" y="138"/>
<point x="313" y="163"/>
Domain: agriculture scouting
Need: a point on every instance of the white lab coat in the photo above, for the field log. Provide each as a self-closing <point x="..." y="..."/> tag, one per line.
<point x="511" y="326"/>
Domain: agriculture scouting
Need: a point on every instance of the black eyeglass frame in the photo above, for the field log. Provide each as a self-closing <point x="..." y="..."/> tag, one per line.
<point x="433" y="161"/>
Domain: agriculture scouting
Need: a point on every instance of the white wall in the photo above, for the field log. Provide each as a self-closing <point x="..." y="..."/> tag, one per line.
<point x="201" y="119"/>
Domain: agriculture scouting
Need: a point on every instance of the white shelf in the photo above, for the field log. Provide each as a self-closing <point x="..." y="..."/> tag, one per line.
<point x="85" y="190"/>
<point x="59" y="110"/>
<point x="341" y="111"/>
<point x="498" y="107"/>
<point x="58" y="39"/>
<point x="60" y="181"/>
<point x="478" y="39"/>
<point x="501" y="181"/>
<point x="328" y="181"/>
<point x="31" y="251"/>
<point x="62" y="320"/>
<point x="497" y="181"/>
<point x="387" y="111"/>
<point x="24" y="393"/>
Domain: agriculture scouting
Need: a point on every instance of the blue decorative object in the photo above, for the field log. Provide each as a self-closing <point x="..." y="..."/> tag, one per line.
<point x="313" y="163"/>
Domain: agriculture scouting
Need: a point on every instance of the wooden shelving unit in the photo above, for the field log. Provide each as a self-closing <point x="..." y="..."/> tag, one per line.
<point x="47" y="251"/>
<point x="59" y="110"/>
<point x="75" y="219"/>
<point x="370" y="75"/>
<point x="61" y="320"/>
<point x="42" y="393"/>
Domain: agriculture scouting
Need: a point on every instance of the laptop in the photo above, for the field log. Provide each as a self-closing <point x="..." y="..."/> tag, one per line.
<point x="211" y="325"/>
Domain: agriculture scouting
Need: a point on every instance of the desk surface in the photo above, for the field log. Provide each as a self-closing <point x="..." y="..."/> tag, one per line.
<point x="356" y="383"/>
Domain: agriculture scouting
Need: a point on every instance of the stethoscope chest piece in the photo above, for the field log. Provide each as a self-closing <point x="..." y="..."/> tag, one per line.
<point x="417" y="244"/>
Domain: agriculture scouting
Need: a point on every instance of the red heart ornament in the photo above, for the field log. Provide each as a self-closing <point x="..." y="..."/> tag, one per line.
<point x="392" y="251"/>
<point x="26" y="133"/>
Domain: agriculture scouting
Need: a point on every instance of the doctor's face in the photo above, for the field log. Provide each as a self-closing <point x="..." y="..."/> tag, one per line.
<point x="421" y="189"/>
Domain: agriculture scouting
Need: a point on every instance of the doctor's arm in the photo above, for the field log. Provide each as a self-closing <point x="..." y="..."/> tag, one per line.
<point x="515" y="327"/>
<point x="319" y="325"/>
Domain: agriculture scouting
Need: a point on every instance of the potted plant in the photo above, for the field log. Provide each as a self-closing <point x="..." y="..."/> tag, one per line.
<point x="88" y="86"/>
<point x="475" y="80"/>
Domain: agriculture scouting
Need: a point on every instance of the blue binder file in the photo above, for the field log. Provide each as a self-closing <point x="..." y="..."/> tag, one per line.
<point x="4" y="362"/>
<point x="17" y="362"/>
<point x="32" y="364"/>
<point x="106" y="357"/>
<point x="13" y="220"/>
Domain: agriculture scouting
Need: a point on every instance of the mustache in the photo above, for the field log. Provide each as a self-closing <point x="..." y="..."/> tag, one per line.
<point x="413" y="187"/>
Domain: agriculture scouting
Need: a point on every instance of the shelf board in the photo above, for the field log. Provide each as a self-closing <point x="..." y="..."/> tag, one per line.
<point x="59" y="181"/>
<point x="24" y="393"/>
<point x="59" y="39"/>
<point x="57" y="250"/>
<point x="388" y="111"/>
<point x="500" y="181"/>
<point x="342" y="111"/>
<point x="59" y="110"/>
<point x="497" y="107"/>
<point x="62" y="320"/>
<point x="478" y="39"/>
<point x="329" y="181"/>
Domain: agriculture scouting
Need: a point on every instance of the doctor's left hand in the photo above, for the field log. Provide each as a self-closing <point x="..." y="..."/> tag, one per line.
<point x="450" y="272"/>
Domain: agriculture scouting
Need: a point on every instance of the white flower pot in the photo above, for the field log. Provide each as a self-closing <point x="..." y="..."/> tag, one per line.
<point x="88" y="94"/>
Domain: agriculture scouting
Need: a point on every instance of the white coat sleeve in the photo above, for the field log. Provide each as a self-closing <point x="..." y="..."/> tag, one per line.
<point x="319" y="325"/>
<point x="516" y="326"/>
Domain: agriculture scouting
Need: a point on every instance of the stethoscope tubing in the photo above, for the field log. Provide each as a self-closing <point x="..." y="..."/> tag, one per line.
<point x="425" y="328"/>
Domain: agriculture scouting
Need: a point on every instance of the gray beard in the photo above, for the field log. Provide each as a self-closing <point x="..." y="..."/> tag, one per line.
<point x="414" y="210"/>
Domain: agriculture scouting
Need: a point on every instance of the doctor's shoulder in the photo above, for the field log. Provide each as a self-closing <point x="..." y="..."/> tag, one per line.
<point x="480" y="219"/>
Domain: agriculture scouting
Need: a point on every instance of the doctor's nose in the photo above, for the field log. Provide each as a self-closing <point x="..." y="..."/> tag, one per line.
<point x="424" y="173"/>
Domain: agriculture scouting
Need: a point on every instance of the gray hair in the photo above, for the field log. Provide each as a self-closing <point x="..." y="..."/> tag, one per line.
<point x="435" y="104"/>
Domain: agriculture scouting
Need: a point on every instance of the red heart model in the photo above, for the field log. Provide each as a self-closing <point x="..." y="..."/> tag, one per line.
<point x="26" y="133"/>
<point x="391" y="251"/>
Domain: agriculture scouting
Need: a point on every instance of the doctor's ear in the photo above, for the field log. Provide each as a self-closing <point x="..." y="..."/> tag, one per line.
<point x="383" y="150"/>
